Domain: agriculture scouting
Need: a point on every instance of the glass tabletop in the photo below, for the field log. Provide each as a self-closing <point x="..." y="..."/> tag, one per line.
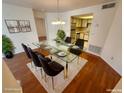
<point x="57" y="49"/>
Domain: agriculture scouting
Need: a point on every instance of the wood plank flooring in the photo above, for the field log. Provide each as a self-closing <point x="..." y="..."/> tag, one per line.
<point x="95" y="77"/>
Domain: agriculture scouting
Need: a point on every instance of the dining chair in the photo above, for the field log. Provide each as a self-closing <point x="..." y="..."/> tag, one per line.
<point x="27" y="53"/>
<point x="34" y="56"/>
<point x="77" y="51"/>
<point x="35" y="59"/>
<point x="51" y="68"/>
<point x="80" y="43"/>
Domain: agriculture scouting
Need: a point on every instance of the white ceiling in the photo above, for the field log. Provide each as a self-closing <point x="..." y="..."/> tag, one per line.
<point x="50" y="5"/>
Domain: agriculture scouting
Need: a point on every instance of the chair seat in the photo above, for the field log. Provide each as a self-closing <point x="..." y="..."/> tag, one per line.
<point x="47" y="59"/>
<point x="55" y="66"/>
<point x="77" y="51"/>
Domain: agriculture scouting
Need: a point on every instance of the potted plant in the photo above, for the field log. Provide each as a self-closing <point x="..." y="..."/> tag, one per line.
<point x="7" y="47"/>
<point x="60" y="36"/>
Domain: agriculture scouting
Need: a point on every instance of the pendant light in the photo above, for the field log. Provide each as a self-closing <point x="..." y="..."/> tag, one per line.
<point x="58" y="21"/>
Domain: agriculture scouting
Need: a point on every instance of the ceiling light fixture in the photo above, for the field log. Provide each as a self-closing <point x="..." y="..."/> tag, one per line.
<point x="58" y="21"/>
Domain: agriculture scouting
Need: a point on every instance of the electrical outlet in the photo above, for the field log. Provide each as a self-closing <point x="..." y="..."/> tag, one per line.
<point x="112" y="58"/>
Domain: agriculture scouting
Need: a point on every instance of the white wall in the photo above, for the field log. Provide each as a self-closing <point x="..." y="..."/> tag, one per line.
<point x="101" y="23"/>
<point x="19" y="13"/>
<point x="112" y="51"/>
<point x="51" y="30"/>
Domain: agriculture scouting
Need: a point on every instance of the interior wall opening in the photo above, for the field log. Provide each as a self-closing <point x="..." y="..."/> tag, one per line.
<point x="81" y="28"/>
<point x="40" y="26"/>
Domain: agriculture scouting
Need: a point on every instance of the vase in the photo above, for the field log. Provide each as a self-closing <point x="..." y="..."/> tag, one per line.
<point x="9" y="54"/>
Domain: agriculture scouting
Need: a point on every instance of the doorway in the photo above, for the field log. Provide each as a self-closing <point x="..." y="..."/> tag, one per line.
<point x="40" y="26"/>
<point x="81" y="28"/>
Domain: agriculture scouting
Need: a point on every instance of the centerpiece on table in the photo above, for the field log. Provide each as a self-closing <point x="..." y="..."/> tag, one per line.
<point x="60" y="40"/>
<point x="60" y="36"/>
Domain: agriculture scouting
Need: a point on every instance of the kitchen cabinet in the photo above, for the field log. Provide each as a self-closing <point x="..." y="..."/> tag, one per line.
<point x="81" y="26"/>
<point x="84" y="23"/>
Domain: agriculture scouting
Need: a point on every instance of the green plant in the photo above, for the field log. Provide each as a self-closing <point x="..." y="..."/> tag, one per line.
<point x="7" y="44"/>
<point x="61" y="34"/>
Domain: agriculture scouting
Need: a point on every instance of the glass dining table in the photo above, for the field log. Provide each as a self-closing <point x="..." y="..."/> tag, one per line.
<point x="59" y="50"/>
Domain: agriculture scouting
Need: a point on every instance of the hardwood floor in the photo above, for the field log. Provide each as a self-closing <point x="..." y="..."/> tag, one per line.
<point x="95" y="77"/>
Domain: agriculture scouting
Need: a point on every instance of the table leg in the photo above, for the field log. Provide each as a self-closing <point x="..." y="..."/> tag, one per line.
<point x="51" y="57"/>
<point x="78" y="60"/>
<point x="32" y="64"/>
<point x="45" y="77"/>
<point x="66" y="70"/>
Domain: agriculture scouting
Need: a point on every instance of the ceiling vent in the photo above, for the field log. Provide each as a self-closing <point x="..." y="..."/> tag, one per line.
<point x="110" y="5"/>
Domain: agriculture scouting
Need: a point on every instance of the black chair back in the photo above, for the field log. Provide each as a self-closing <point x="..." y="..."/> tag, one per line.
<point x="68" y="40"/>
<point x="80" y="43"/>
<point x="35" y="58"/>
<point x="45" y="66"/>
<point x="26" y="50"/>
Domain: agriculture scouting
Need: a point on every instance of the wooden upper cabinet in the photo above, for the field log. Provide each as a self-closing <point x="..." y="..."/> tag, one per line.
<point x="84" y="23"/>
<point x="78" y="23"/>
<point x="81" y="22"/>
